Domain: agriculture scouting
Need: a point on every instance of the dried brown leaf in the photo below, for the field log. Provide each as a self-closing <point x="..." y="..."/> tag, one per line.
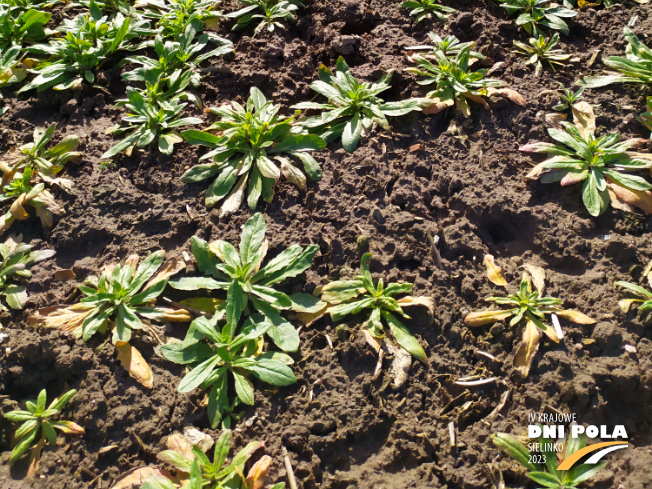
<point x="538" y="275"/>
<point x="626" y="199"/>
<point x="575" y="316"/>
<point x="134" y="478"/>
<point x="401" y="363"/>
<point x="416" y="147"/>
<point x="178" y="442"/>
<point x="258" y="473"/>
<point x="528" y="347"/>
<point x="480" y="318"/>
<point x="63" y="275"/>
<point x="494" y="272"/>
<point x="512" y="95"/>
<point x="135" y="364"/>
<point x="554" y="119"/>
<point x="584" y="118"/>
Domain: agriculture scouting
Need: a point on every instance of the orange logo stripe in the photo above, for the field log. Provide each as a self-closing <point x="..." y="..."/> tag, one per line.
<point x="568" y="463"/>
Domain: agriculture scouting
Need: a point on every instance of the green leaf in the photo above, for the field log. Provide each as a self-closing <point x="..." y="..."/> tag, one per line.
<point x="16" y="296"/>
<point x="198" y="374"/>
<point x="545" y="479"/>
<point x="244" y="388"/>
<point x="23" y="445"/>
<point x="351" y="134"/>
<point x="273" y="372"/>
<point x="253" y="235"/>
<point x="236" y="301"/>
<point x="515" y="449"/>
<point x="404" y="338"/>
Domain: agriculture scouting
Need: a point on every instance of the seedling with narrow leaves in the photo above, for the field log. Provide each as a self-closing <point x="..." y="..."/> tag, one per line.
<point x="526" y="306"/>
<point x="217" y="355"/>
<point x="194" y="469"/>
<point x="13" y="69"/>
<point x="427" y="9"/>
<point x="541" y="49"/>
<point x="252" y="149"/>
<point x="175" y="18"/>
<point x="38" y="427"/>
<point x="568" y="98"/>
<point x="547" y="474"/>
<point x="152" y="116"/>
<point x="20" y="27"/>
<point x="122" y="300"/>
<point x="535" y="14"/>
<point x="183" y="55"/>
<point x="47" y="162"/>
<point x="641" y="296"/>
<point x="353" y="108"/>
<point x="449" y="46"/>
<point x="269" y="14"/>
<point x="249" y="287"/>
<point x="635" y="67"/>
<point x="25" y="190"/>
<point x="454" y="83"/>
<point x="17" y="257"/>
<point x="347" y="297"/>
<point x="87" y="42"/>
<point x="602" y="163"/>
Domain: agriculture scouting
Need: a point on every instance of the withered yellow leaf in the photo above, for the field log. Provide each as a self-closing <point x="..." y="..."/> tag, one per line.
<point x="494" y="272"/>
<point x="538" y="275"/>
<point x="258" y="472"/>
<point x="135" y="364"/>
<point x="528" y="347"/>
<point x="480" y="318"/>
<point x="584" y="118"/>
<point x="626" y="199"/>
<point x="626" y="304"/>
<point x="575" y="316"/>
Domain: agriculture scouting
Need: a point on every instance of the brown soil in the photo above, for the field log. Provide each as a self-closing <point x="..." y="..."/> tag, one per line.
<point x="467" y="187"/>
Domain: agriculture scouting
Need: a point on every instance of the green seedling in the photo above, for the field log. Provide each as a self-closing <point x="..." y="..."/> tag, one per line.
<point x="269" y="14"/>
<point x="454" y="83"/>
<point x="541" y="49"/>
<point x="122" y="300"/>
<point x="635" y="67"/>
<point x="602" y="164"/>
<point x="183" y="55"/>
<point x="152" y="116"/>
<point x="215" y="355"/>
<point x="353" y="108"/>
<point x="450" y="46"/>
<point x="353" y="296"/>
<point x="24" y="191"/>
<point x="17" y="257"/>
<point x="250" y="287"/>
<point x="124" y="7"/>
<point x="13" y="69"/>
<point x="87" y="42"/>
<point x="175" y="18"/>
<point x="48" y="162"/>
<point x="20" y="28"/>
<point x="253" y="148"/>
<point x="38" y="427"/>
<point x="526" y="306"/>
<point x="426" y="9"/>
<point x="642" y="296"/>
<point x="24" y="5"/>
<point x="568" y="98"/>
<point x="535" y="14"/>
<point x="546" y="474"/>
<point x="195" y="469"/>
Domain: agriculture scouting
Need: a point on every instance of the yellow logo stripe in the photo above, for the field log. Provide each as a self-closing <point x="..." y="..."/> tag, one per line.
<point x="568" y="463"/>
